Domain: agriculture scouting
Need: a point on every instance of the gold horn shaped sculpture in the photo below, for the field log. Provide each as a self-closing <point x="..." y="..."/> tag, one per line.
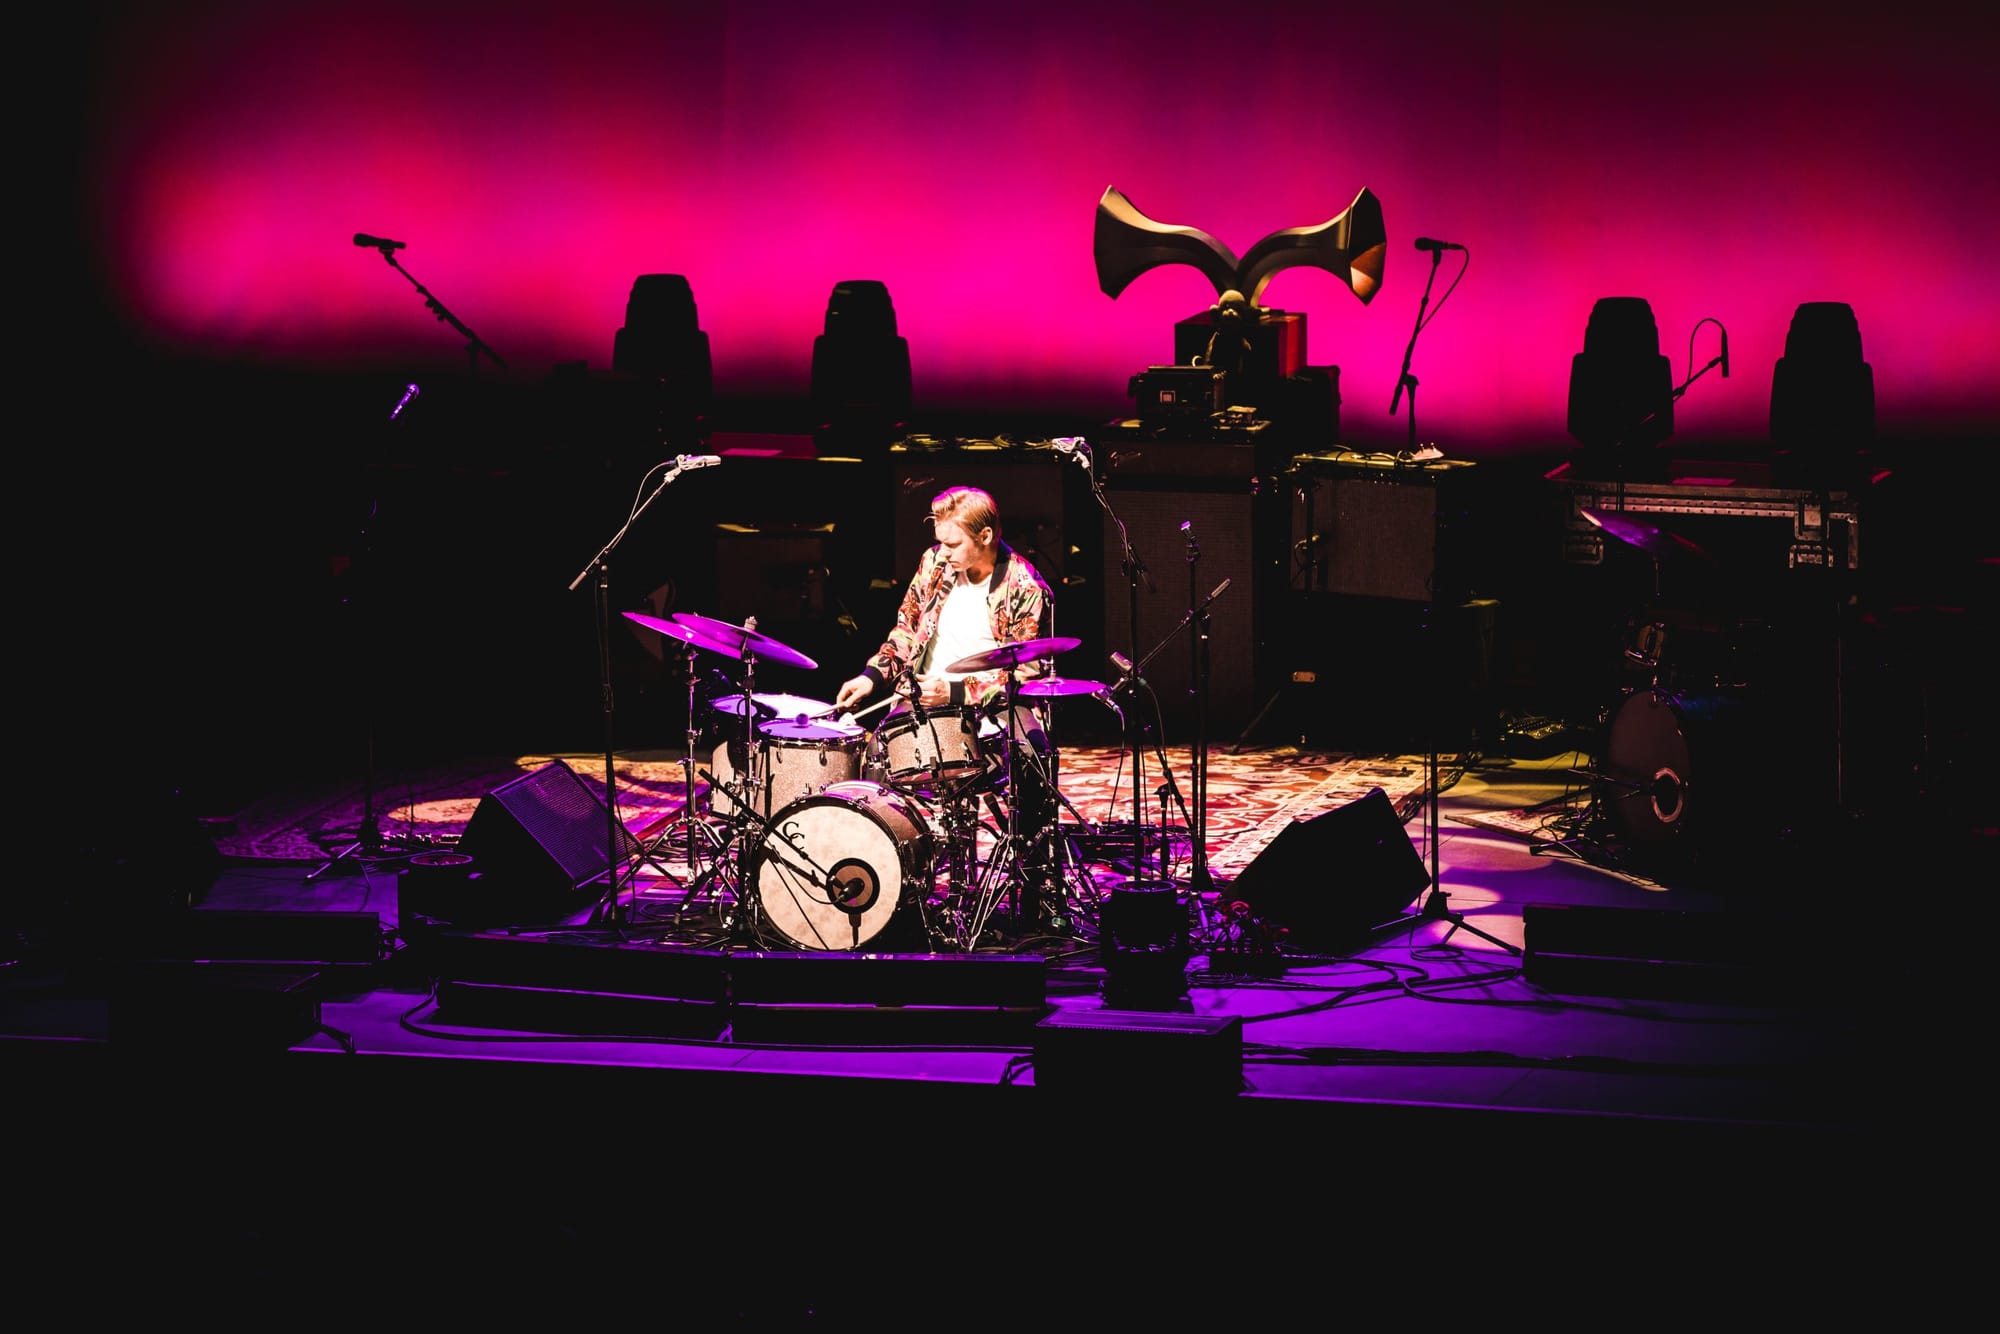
<point x="1350" y="246"/>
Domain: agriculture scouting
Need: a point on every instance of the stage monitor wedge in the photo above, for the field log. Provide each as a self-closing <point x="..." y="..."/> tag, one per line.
<point x="1330" y="879"/>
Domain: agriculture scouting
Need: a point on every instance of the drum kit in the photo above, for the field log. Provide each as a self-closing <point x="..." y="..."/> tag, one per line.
<point x="1642" y="780"/>
<point x="818" y="833"/>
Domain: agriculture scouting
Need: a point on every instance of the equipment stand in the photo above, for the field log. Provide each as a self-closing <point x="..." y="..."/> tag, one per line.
<point x="1199" y="880"/>
<point x="1135" y="573"/>
<point x="608" y="908"/>
<point x="1434" y="908"/>
<point x="369" y="846"/>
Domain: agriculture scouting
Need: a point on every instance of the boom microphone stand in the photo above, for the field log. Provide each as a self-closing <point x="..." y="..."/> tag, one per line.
<point x="474" y="344"/>
<point x="1436" y="907"/>
<point x="615" y="848"/>
<point x="1199" y="881"/>
<point x="1128" y="667"/>
<point x="369" y="844"/>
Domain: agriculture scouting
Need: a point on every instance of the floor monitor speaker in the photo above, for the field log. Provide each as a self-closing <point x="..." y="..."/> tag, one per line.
<point x="535" y="843"/>
<point x="1330" y="879"/>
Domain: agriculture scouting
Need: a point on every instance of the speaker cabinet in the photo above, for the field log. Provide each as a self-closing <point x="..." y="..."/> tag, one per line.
<point x="1364" y="536"/>
<point x="1330" y="879"/>
<point x="1220" y="525"/>
<point x="535" y="843"/>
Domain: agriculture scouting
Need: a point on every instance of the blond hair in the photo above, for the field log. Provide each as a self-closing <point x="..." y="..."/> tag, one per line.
<point x="973" y="508"/>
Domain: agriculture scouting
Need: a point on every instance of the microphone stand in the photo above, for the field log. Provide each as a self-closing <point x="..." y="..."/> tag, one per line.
<point x="368" y="845"/>
<point x="474" y="344"/>
<point x="1435" y="908"/>
<point x="1135" y="572"/>
<point x="614" y="847"/>
<point x="1199" y="881"/>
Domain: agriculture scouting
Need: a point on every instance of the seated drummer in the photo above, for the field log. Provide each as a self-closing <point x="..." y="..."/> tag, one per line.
<point x="973" y="592"/>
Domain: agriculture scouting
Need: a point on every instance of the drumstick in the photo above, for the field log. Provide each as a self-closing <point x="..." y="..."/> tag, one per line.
<point x="857" y="715"/>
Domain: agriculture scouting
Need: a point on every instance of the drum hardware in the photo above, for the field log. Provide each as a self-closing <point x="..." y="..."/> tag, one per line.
<point x="747" y="646"/>
<point x="1006" y="869"/>
<point x="687" y="820"/>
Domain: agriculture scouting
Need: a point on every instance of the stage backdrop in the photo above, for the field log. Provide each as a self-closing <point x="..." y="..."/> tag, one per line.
<point x="1722" y="161"/>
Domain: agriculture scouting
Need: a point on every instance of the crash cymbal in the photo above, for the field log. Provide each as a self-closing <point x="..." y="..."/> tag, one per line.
<point x="674" y="630"/>
<point x="1013" y="655"/>
<point x="734" y="640"/>
<point x="1651" y="540"/>
<point x="787" y="707"/>
<point x="1060" y="686"/>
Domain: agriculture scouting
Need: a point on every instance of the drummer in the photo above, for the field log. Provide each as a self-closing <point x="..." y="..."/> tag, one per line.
<point x="973" y="592"/>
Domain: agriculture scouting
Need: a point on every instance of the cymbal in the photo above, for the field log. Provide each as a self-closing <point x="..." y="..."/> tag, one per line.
<point x="734" y="640"/>
<point x="674" y="630"/>
<point x="787" y="707"/>
<point x="1013" y="655"/>
<point x="1651" y="540"/>
<point x="1060" y="686"/>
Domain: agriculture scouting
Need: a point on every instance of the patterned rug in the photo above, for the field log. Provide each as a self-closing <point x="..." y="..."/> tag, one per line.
<point x="1252" y="795"/>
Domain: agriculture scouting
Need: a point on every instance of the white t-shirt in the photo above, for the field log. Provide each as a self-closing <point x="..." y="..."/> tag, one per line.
<point x="963" y="628"/>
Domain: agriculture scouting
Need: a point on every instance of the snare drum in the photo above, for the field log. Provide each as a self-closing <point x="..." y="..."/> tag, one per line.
<point x="837" y="866"/>
<point x="936" y="746"/>
<point x="799" y="759"/>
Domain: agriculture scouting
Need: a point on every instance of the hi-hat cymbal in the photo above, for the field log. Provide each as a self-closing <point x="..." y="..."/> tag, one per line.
<point x="735" y="640"/>
<point x="787" y="707"/>
<point x="1653" y="541"/>
<point x="674" y="630"/>
<point x="1060" y="686"/>
<point x="1013" y="655"/>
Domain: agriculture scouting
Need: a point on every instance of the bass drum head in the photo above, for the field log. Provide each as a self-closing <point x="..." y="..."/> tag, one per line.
<point x="838" y="867"/>
<point x="1676" y="764"/>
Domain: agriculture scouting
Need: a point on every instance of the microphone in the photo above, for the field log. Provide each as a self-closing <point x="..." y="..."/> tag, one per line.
<point x="1425" y="243"/>
<point x="1122" y="663"/>
<point x="409" y="392"/>
<point x="1075" y="447"/>
<point x="379" y="243"/>
<point x="1219" y="588"/>
<point x="686" y="461"/>
<point x="1725" y="356"/>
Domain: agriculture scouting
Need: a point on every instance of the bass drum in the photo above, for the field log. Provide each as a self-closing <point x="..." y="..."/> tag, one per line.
<point x="837" y="867"/>
<point x="1676" y="765"/>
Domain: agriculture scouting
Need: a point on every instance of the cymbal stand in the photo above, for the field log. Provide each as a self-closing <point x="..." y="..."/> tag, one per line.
<point x="689" y="820"/>
<point x="744" y="788"/>
<point x="1004" y="868"/>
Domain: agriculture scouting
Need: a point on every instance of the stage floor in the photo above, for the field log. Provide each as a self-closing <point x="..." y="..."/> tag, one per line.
<point x="1572" y="1022"/>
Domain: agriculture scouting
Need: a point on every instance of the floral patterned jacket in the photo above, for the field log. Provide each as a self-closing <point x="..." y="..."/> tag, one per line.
<point x="1018" y="601"/>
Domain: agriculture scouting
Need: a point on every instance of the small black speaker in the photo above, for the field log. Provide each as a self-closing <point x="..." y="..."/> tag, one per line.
<point x="1329" y="880"/>
<point x="535" y="843"/>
